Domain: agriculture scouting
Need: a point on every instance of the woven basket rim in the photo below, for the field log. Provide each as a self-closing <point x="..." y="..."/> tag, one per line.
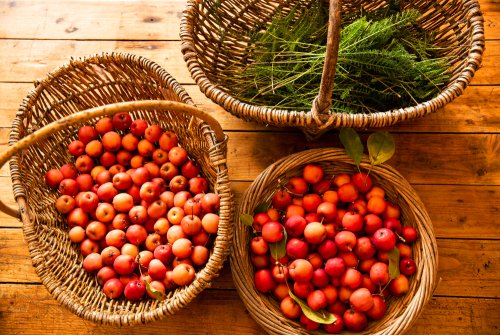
<point x="182" y="296"/>
<point x="258" y="303"/>
<point x="304" y="119"/>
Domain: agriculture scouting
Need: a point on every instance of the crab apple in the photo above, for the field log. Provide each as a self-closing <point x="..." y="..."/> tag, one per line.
<point x="302" y="289"/>
<point x="178" y="183"/>
<point x="327" y="249"/>
<point x="182" y="248"/>
<point x="88" y="246"/>
<point x="290" y="308"/>
<point x="149" y="191"/>
<point x="87" y="134"/>
<point x="68" y="187"/>
<point x="392" y="211"/>
<point x="121" y="121"/>
<point x="341" y="179"/>
<point x="335" y="267"/>
<point x="177" y="155"/>
<point x="134" y="290"/>
<point x="129" y="142"/>
<point x="344" y="292"/>
<point x="359" y="206"/>
<point x="365" y="264"/>
<point x="105" y="212"/>
<point x="157" y="209"/>
<point x="117" y="168"/>
<point x="192" y="207"/>
<point x="297" y="185"/>
<point x="350" y="258"/>
<point x="327" y="211"/>
<point x="156" y="269"/>
<point x="124" y="264"/>
<point x="96" y="170"/>
<point x="104" y="125"/>
<point x="168" y="198"/>
<point x="122" y="181"/>
<point x="113" y="288"/>
<point x="260" y="261"/>
<point x="94" y="148"/>
<point x="409" y="234"/>
<point x="372" y="223"/>
<point x="352" y="221"/>
<point x="138" y="127"/>
<point x="301" y="270"/>
<point x="109" y="255"/>
<point x="140" y="175"/>
<point x="379" y="273"/>
<point x="312" y="173"/>
<point x="125" y="279"/>
<point x="377" y="311"/>
<point x="158" y="286"/>
<point x="65" y="204"/>
<point x="168" y="171"/>
<point x="88" y="202"/>
<point x="331" y="293"/>
<point x="138" y="215"/>
<point x="320" y="278"/>
<point x="92" y="262"/>
<point x="321" y="187"/>
<point x="296" y="248"/>
<point x="106" y="192"/>
<point x="175" y="215"/>
<point x="281" y="199"/>
<point x="168" y="281"/>
<point x="407" y="266"/>
<point x="376" y="205"/>
<point x="331" y="230"/>
<point x="76" y="148"/>
<point x="348" y="192"/>
<point x="384" y="239"/>
<point x="404" y="250"/>
<point x="315" y="233"/>
<point x="200" y="255"/>
<point x="85" y="182"/>
<point x="383" y="256"/>
<point x="202" y="238"/>
<point x="198" y="185"/>
<point x="337" y="307"/>
<point x="308" y="323"/>
<point x="136" y="234"/>
<point x="393" y="224"/>
<point x="311" y="201"/>
<point x="364" y="248"/>
<point x="375" y="191"/>
<point x="190" y="169"/>
<point x="153" y="169"/>
<point x="105" y="273"/>
<point x="362" y="181"/>
<point x="160" y="157"/>
<point x="316" y="300"/>
<point x="152" y="241"/>
<point x="312" y="217"/>
<point x="120" y="221"/>
<point x="351" y="278"/>
<point x="135" y="192"/>
<point x="280" y="273"/>
<point x="264" y="281"/>
<point x="168" y="140"/>
<point x="210" y="223"/>
<point x="361" y="299"/>
<point x="399" y="286"/>
<point x="355" y="321"/>
<point x="111" y="141"/>
<point x="259" y="246"/>
<point x="367" y="283"/>
<point x="84" y="163"/>
<point x="96" y="230"/>
<point x="76" y="234"/>
<point x="272" y="232"/>
<point x="116" y="238"/>
<point x="103" y="177"/>
<point x="191" y="224"/>
<point x="174" y="233"/>
<point x="137" y="161"/>
<point x="107" y="159"/>
<point x="77" y="217"/>
<point x="164" y="253"/>
<point x="69" y="171"/>
<point x="123" y="158"/>
<point x="153" y="133"/>
<point x="183" y="274"/>
<point x="345" y="240"/>
<point x="294" y="209"/>
<point x="331" y="196"/>
<point x="336" y="326"/>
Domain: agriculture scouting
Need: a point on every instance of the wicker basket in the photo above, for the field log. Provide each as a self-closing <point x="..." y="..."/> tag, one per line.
<point x="401" y="312"/>
<point x="211" y="43"/>
<point x="79" y="93"/>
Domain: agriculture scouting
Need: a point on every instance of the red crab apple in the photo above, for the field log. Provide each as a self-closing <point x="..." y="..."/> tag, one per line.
<point x="362" y="181"/>
<point x="138" y="127"/>
<point x="152" y="241"/>
<point x="77" y="217"/>
<point x="104" y="125"/>
<point x="109" y="255"/>
<point x="198" y="185"/>
<point x="76" y="234"/>
<point x="377" y="311"/>
<point x="379" y="273"/>
<point x="264" y="281"/>
<point x="210" y="203"/>
<point x="183" y="274"/>
<point x="182" y="248"/>
<point x="65" y="204"/>
<point x="407" y="266"/>
<point x="348" y="192"/>
<point x="327" y="211"/>
<point x="136" y="234"/>
<point x="121" y="121"/>
<point x="124" y="264"/>
<point x="134" y="290"/>
<point x="87" y="134"/>
<point x="352" y="221"/>
<point x="122" y="181"/>
<point x="190" y="169"/>
<point x="355" y="321"/>
<point x="85" y="182"/>
<point x="341" y="179"/>
<point x="297" y="185"/>
<point x="361" y="300"/>
<point x="399" y="286"/>
<point x="320" y="278"/>
<point x="156" y="269"/>
<point x="88" y="246"/>
<point x="301" y="270"/>
<point x="105" y="212"/>
<point x="409" y="234"/>
<point x="153" y="133"/>
<point x="96" y="230"/>
<point x="272" y="232"/>
<point x="295" y="225"/>
<point x="336" y="327"/>
<point x="177" y="155"/>
<point x="315" y="233"/>
<point x="191" y="224"/>
<point x="92" y="262"/>
<point x="312" y="173"/>
<point x="84" y="164"/>
<point x="113" y="288"/>
<point x="104" y="274"/>
<point x="384" y="239"/>
<point x="69" y="171"/>
<point x="76" y="148"/>
<point x="200" y="255"/>
<point x="138" y="214"/>
<point x="345" y="240"/>
<point x="210" y="223"/>
<point x="168" y="140"/>
<point x="88" y="202"/>
<point x="297" y="248"/>
<point x="351" y="278"/>
<point x="164" y="253"/>
<point x="68" y="187"/>
<point x="290" y="308"/>
<point x="335" y="267"/>
<point x="317" y="300"/>
<point x="281" y="199"/>
<point x="311" y="201"/>
<point x="178" y="183"/>
<point x="111" y="141"/>
<point x="308" y="323"/>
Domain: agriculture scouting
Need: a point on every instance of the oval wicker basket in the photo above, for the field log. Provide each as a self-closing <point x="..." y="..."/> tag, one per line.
<point x="401" y="312"/>
<point x="78" y="93"/>
<point x="213" y="34"/>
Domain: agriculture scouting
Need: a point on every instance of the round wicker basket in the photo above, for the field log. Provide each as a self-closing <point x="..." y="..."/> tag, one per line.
<point x="213" y="34"/>
<point x="401" y="312"/>
<point x="78" y="93"/>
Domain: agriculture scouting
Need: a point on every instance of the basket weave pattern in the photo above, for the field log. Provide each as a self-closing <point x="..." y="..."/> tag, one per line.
<point x="213" y="42"/>
<point x="401" y="312"/>
<point x="79" y="93"/>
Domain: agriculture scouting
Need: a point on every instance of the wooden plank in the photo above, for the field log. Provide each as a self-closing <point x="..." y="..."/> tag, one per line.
<point x="103" y="20"/>
<point x="466" y="268"/>
<point x="118" y="20"/>
<point x="26" y="60"/>
<point x="220" y="312"/>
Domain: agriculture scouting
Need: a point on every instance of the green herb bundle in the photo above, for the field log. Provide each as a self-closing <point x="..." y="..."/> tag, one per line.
<point x="384" y="62"/>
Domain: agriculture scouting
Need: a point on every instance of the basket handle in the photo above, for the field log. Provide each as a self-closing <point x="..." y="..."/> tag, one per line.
<point x="323" y="101"/>
<point x="100" y="111"/>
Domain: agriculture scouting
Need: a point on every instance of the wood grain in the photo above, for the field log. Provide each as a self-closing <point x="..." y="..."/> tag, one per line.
<point x="220" y="312"/>
<point x="466" y="268"/>
<point x="26" y="60"/>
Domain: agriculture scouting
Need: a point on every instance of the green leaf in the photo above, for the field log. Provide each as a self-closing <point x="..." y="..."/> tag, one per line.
<point x="381" y="147"/>
<point x="246" y="219"/>
<point x="352" y="144"/>
<point x="262" y="208"/>
<point x="322" y="316"/>
<point x="278" y="249"/>
<point x="158" y="295"/>
<point x="394" y="263"/>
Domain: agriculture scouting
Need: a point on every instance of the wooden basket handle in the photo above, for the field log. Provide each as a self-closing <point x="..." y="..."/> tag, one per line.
<point x="323" y="102"/>
<point x="100" y="111"/>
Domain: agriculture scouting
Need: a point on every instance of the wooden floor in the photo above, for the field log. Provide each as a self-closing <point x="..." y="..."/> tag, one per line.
<point x="452" y="158"/>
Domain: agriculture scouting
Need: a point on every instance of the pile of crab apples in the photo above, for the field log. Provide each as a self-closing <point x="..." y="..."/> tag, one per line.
<point x="339" y="235"/>
<point x="136" y="204"/>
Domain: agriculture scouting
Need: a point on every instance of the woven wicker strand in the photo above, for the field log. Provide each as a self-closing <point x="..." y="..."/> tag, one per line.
<point x="79" y="93"/>
<point x="211" y="43"/>
<point x="401" y="312"/>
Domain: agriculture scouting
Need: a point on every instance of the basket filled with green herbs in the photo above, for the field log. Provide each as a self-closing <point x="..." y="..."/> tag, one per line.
<point x="318" y="65"/>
